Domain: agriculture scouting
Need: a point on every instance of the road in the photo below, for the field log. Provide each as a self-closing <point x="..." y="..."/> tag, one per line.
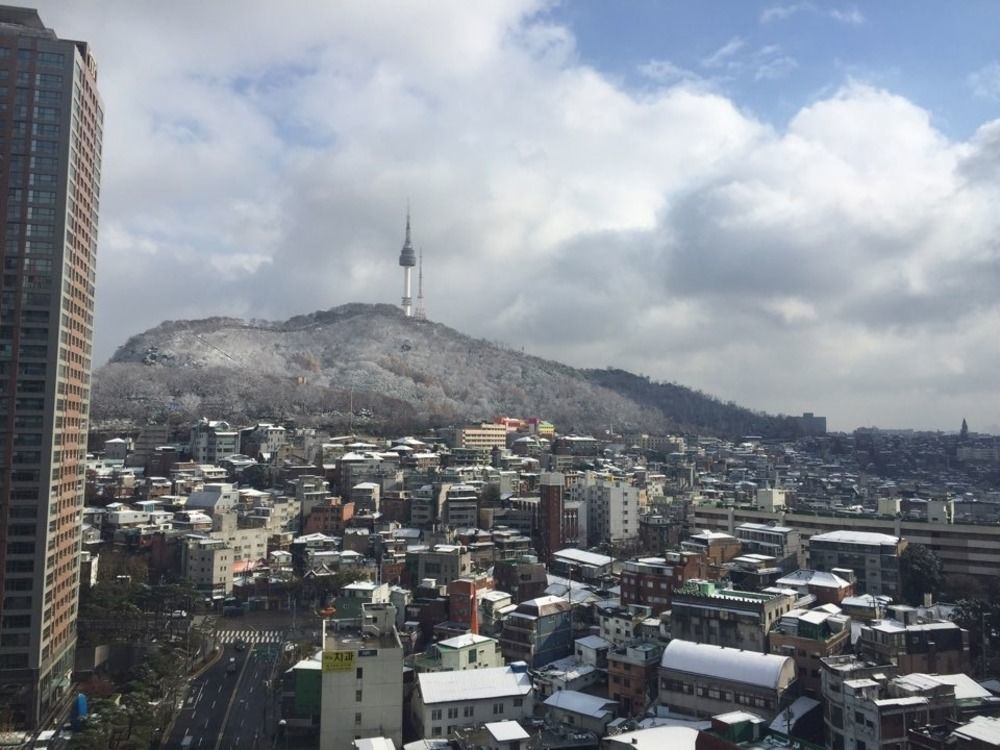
<point x="223" y="709"/>
<point x="250" y="721"/>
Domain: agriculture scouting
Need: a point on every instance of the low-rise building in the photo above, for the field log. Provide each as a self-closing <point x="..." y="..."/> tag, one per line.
<point x="826" y="588"/>
<point x="916" y="645"/>
<point x="632" y="677"/>
<point x="446" y="701"/>
<point x="208" y="564"/>
<point x="716" y="546"/>
<point x="539" y="631"/>
<point x="808" y="636"/>
<point x="701" y="680"/>
<point x="873" y="557"/>
<point x="704" y="612"/>
<point x="468" y="651"/>
<point x="355" y="596"/>
<point x="650" y="581"/>
<point x="580" y="710"/>
<point x="783" y="543"/>
<point x="580" y="565"/>
<point x="443" y="562"/>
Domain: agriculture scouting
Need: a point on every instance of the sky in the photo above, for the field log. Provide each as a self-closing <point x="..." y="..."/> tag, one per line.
<point x="788" y="205"/>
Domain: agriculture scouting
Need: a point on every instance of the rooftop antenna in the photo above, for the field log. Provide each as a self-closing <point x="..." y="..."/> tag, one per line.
<point x="420" y="313"/>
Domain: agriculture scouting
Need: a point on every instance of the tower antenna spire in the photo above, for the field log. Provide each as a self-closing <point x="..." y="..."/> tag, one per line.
<point x="420" y="313"/>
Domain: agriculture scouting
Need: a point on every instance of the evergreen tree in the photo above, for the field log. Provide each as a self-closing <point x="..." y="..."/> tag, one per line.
<point x="919" y="573"/>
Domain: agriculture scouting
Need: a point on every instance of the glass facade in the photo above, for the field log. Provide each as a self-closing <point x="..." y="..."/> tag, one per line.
<point x="50" y="151"/>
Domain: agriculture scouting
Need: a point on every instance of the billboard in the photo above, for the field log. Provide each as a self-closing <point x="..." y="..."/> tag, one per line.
<point x="338" y="661"/>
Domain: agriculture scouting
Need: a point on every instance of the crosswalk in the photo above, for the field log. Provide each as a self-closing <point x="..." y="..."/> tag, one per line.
<point x="251" y="637"/>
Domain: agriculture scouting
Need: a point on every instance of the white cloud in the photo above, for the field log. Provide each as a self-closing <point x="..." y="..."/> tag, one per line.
<point x="985" y="82"/>
<point x="774" y="66"/>
<point x="664" y="71"/>
<point x="850" y="15"/>
<point x="782" y="12"/>
<point x="724" y="54"/>
<point x="829" y="265"/>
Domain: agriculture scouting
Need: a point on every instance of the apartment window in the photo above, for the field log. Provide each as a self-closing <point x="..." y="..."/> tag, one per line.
<point x="358" y="696"/>
<point x="436" y="714"/>
<point x="497" y="708"/>
<point x="436" y="732"/>
<point x="453" y="713"/>
<point x="518" y="702"/>
<point x="359" y="672"/>
<point x="13" y="661"/>
<point x="467" y="711"/>
<point x="47" y="58"/>
<point x="357" y="718"/>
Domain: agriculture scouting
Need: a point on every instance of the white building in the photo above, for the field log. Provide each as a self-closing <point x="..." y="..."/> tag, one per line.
<point x="466" y="651"/>
<point x="446" y="701"/>
<point x="362" y="681"/>
<point x="215" y="498"/>
<point x="612" y="508"/>
<point x="207" y="563"/>
<point x="212" y="440"/>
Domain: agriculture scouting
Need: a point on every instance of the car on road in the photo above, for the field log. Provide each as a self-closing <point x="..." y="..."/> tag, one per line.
<point x="231" y="667"/>
<point x="240" y="645"/>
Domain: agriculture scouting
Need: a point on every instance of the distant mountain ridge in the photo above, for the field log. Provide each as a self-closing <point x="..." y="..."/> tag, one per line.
<point x="371" y="364"/>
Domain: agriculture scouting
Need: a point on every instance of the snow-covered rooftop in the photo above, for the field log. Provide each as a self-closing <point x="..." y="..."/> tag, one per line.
<point x="506" y="731"/>
<point x="813" y="578"/>
<point x="655" y="738"/>
<point x="581" y="703"/>
<point x="749" y="667"/>
<point x="581" y="556"/>
<point x="982" y="728"/>
<point x="463" y="641"/>
<point x="784" y="722"/>
<point x="472" y="685"/>
<point x="855" y="537"/>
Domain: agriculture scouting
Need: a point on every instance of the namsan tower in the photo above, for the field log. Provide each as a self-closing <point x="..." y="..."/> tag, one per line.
<point x="407" y="259"/>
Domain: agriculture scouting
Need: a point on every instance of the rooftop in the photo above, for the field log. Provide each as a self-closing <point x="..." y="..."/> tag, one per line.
<point x="464" y="641"/>
<point x="982" y="728"/>
<point x="352" y="639"/>
<point x="656" y="738"/>
<point x="506" y="731"/>
<point x="855" y="537"/>
<point x="473" y="685"/>
<point x="813" y="578"/>
<point x="585" y="558"/>
<point x="581" y="703"/>
<point x="732" y="664"/>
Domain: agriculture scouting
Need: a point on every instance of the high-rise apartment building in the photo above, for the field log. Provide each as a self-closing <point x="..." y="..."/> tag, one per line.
<point x="50" y="156"/>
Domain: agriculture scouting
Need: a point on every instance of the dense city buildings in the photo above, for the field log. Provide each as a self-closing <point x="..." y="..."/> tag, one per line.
<point x="714" y="584"/>
<point x="51" y="152"/>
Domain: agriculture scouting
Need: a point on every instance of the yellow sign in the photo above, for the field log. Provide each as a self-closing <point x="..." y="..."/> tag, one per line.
<point x="338" y="661"/>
